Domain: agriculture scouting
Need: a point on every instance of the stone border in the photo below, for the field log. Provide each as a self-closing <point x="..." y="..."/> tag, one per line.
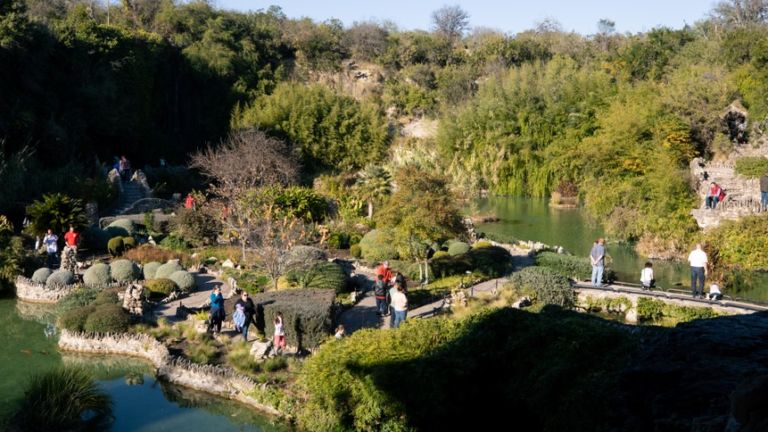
<point x="32" y="292"/>
<point x="216" y="380"/>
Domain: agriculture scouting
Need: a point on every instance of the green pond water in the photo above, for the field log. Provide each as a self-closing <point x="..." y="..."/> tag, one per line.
<point x="534" y="219"/>
<point x="140" y="401"/>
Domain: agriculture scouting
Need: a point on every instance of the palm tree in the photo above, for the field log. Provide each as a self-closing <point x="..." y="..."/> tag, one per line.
<point x="373" y="183"/>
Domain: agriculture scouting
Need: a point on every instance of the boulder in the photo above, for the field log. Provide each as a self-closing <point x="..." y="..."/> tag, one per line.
<point x="261" y="349"/>
<point x="228" y="264"/>
<point x="132" y="300"/>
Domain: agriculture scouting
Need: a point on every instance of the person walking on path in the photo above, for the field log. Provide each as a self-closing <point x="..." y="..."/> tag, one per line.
<point x="715" y="194"/>
<point x="384" y="270"/>
<point x="400" y="306"/>
<point x="189" y="201"/>
<point x="597" y="257"/>
<point x="51" y="242"/>
<point x="698" y="260"/>
<point x="249" y="309"/>
<point x="646" y="277"/>
<point x="764" y="192"/>
<point x="279" y="333"/>
<point x="217" y="311"/>
<point x="380" y="292"/>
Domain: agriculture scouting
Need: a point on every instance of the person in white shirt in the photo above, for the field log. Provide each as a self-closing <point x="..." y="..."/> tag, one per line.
<point x="400" y="305"/>
<point x="698" y="260"/>
<point x="51" y="242"/>
<point x="714" y="292"/>
<point x="646" y="277"/>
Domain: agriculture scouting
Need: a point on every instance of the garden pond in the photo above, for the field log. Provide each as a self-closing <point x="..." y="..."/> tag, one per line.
<point x="140" y="401"/>
<point x="533" y="219"/>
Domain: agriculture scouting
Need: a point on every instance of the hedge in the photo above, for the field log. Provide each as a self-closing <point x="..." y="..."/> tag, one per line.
<point x="160" y="287"/>
<point x="377" y="245"/>
<point x="544" y="286"/>
<point x="490" y="261"/>
<point x="183" y="279"/>
<point x="356" y="251"/>
<point x="60" y="277"/>
<point x="121" y="227"/>
<point x="74" y="319"/>
<point x="129" y="243"/>
<point x="304" y="255"/>
<point x="40" y="276"/>
<point x="150" y="269"/>
<point x="115" y="246"/>
<point x="124" y="270"/>
<point x="458" y="248"/>
<point x="107" y="318"/>
<point x="306" y="314"/>
<point x="658" y="311"/>
<point x="321" y="274"/>
<point x="167" y="269"/>
<point x="97" y="275"/>
<point x="571" y="266"/>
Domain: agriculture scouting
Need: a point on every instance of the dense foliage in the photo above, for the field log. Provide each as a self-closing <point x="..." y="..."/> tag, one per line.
<point x="752" y="167"/>
<point x="544" y="286"/>
<point x="306" y="314"/>
<point x="742" y="244"/>
<point x="319" y="275"/>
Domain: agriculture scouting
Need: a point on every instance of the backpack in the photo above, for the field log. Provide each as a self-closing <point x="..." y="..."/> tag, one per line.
<point x="721" y="196"/>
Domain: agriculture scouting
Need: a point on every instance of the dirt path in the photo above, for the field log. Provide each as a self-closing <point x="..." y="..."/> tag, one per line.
<point x="205" y="284"/>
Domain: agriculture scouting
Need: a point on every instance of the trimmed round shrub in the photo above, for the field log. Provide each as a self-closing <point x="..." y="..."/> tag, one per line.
<point x="107" y="318"/>
<point x="97" y="275"/>
<point x="108" y="296"/>
<point x="40" y="276"/>
<point x="124" y="270"/>
<point x="322" y="274"/>
<point x="377" y="245"/>
<point x="74" y="319"/>
<point x="60" y="277"/>
<point x="121" y="227"/>
<point x="167" y="269"/>
<point x="481" y="244"/>
<point x="356" y="251"/>
<point x="160" y="287"/>
<point x="302" y="255"/>
<point x="458" y="248"/>
<point x="439" y="254"/>
<point x="129" y="243"/>
<point x="492" y="261"/>
<point x="115" y="246"/>
<point x="183" y="279"/>
<point x="150" y="269"/>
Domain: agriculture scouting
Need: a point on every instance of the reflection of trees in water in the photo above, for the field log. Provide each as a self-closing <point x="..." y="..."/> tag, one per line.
<point x="237" y="413"/>
<point x="38" y="312"/>
<point x="111" y="367"/>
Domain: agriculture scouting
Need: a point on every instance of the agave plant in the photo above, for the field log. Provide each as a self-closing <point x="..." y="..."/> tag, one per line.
<point x="66" y="398"/>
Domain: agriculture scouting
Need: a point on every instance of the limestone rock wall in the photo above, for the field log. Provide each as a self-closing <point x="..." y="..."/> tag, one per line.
<point x="32" y="292"/>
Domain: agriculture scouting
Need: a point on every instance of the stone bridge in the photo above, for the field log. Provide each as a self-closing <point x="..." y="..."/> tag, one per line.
<point x="585" y="293"/>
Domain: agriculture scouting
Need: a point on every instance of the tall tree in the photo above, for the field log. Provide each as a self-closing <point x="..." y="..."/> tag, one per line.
<point x="373" y="184"/>
<point x="450" y="21"/>
<point x="738" y="13"/>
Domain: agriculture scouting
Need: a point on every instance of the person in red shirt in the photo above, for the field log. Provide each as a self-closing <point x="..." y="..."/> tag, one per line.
<point x="189" y="202"/>
<point x="72" y="237"/>
<point x="386" y="272"/>
<point x="715" y="194"/>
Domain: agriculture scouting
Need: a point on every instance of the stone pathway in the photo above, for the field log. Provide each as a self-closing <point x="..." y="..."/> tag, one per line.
<point x="199" y="298"/>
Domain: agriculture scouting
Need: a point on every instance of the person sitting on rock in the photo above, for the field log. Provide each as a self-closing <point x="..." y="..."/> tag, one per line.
<point x="714" y="194"/>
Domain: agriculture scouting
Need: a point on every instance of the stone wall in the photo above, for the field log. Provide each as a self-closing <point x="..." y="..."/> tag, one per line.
<point x="32" y="292"/>
<point x="216" y="380"/>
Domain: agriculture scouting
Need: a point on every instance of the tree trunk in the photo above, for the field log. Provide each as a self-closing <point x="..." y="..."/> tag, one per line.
<point x="370" y="209"/>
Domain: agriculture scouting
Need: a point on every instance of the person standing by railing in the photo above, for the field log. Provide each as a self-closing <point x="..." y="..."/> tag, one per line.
<point x="597" y="257"/>
<point x="698" y="260"/>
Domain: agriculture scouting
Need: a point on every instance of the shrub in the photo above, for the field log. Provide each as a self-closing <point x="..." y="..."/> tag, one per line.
<point x="338" y="240"/>
<point x="41" y="275"/>
<point x="440" y="254"/>
<point x="160" y="287"/>
<point x="97" y="275"/>
<point x="55" y="211"/>
<point x="107" y="296"/>
<point x="196" y="226"/>
<point x="167" y="269"/>
<point x="458" y="248"/>
<point x="658" y="311"/>
<point x="115" y="246"/>
<point x="82" y="296"/>
<point x="175" y="243"/>
<point x="96" y="238"/>
<point x="107" y="318"/>
<point x="306" y="314"/>
<point x="544" y="286"/>
<point x="148" y="253"/>
<point x="752" y="167"/>
<point x="321" y="274"/>
<point x="60" y="277"/>
<point x="356" y="251"/>
<point x="492" y="261"/>
<point x="249" y="280"/>
<point x="74" y="319"/>
<point x="448" y="265"/>
<point x="378" y="245"/>
<point x="183" y="279"/>
<point x="150" y="269"/>
<point x="66" y="398"/>
<point x="306" y="255"/>
<point x="201" y="351"/>
<point x="124" y="270"/>
<point x="481" y="244"/>
<point x="275" y="364"/>
<point x="128" y="243"/>
<point x="570" y="266"/>
<point x="121" y="227"/>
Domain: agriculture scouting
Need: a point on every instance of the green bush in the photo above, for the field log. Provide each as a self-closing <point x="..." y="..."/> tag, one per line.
<point x="440" y="254"/>
<point x="338" y="240"/>
<point x="107" y="318"/>
<point x="659" y="311"/>
<point x="198" y="227"/>
<point x="160" y="287"/>
<point x="129" y="243"/>
<point x="183" y="279"/>
<point x="378" y="245"/>
<point x="752" y="167"/>
<point x="174" y="243"/>
<point x="295" y="201"/>
<point x="97" y="275"/>
<point x="60" y="277"/>
<point x="82" y="296"/>
<point x="481" y="244"/>
<point x="458" y="248"/>
<point x="74" y="319"/>
<point x="306" y="255"/>
<point x="356" y="251"/>
<point x="41" y="275"/>
<point x="491" y="261"/>
<point x="55" y="211"/>
<point x="115" y="246"/>
<point x="124" y="270"/>
<point x="742" y="243"/>
<point x="96" y="238"/>
<point x="107" y="296"/>
<point x="570" y="266"/>
<point x="121" y="227"/>
<point x="251" y="281"/>
<point x="150" y="269"/>
<point x="167" y="269"/>
<point x="321" y="274"/>
<point x="544" y="286"/>
<point x="306" y="314"/>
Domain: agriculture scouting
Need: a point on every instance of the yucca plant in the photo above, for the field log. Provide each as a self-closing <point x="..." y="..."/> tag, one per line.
<point x="66" y="398"/>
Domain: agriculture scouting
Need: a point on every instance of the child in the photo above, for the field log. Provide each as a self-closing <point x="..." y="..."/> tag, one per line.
<point x="646" y="277"/>
<point x="339" y="332"/>
<point x="239" y="317"/>
<point x="714" y="292"/>
<point x="279" y="333"/>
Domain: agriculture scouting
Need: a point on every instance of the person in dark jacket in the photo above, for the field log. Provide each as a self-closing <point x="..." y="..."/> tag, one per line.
<point x="764" y="192"/>
<point x="249" y="309"/>
<point x="400" y="280"/>
<point x="380" y="292"/>
<point x="217" y="311"/>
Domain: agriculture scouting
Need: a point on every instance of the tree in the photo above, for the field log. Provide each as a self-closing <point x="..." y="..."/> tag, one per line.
<point x="373" y="183"/>
<point x="273" y="238"/>
<point x="56" y="211"/>
<point x="450" y="21"/>
<point x="10" y="251"/>
<point x="737" y="13"/>
<point x="13" y="23"/>
<point x="247" y="160"/>
<point x="366" y="40"/>
<point x="606" y="26"/>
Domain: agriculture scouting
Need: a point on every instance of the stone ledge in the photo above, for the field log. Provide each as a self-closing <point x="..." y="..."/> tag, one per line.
<point x="32" y="292"/>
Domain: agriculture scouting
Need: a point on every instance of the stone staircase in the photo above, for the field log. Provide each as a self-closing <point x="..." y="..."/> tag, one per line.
<point x="132" y="191"/>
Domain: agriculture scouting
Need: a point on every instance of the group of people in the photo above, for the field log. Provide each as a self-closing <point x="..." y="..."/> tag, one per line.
<point x="390" y="290"/>
<point x="51" y="244"/>
<point x="123" y="167"/>
<point x="242" y="318"/>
